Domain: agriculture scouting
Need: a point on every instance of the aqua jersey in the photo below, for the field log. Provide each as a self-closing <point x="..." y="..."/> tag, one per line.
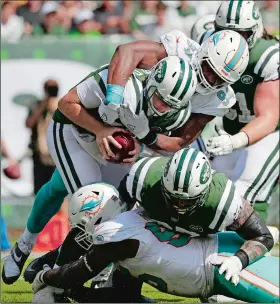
<point x="134" y="97"/>
<point x="222" y="205"/>
<point x="263" y="66"/>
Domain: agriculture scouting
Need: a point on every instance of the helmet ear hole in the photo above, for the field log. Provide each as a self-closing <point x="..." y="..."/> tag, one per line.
<point x="95" y="192"/>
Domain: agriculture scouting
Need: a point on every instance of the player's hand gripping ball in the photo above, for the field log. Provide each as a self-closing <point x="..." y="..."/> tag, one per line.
<point x="127" y="143"/>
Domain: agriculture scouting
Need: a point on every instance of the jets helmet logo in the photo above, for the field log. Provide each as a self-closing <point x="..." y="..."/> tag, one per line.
<point x="205" y="173"/>
<point x="160" y="71"/>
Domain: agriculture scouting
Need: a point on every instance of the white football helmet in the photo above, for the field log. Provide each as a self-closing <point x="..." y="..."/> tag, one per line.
<point x="220" y="61"/>
<point x="173" y="81"/>
<point x="186" y="180"/>
<point x="90" y="206"/>
<point x="203" y="24"/>
<point x="241" y="16"/>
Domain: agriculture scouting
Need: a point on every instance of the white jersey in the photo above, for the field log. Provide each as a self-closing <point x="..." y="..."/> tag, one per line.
<point x="176" y="43"/>
<point x="173" y="263"/>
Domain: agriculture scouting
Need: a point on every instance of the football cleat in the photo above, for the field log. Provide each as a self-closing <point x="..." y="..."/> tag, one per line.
<point x="38" y="264"/>
<point x="14" y="262"/>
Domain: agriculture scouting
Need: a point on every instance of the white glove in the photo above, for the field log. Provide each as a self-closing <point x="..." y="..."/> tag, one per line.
<point x="38" y="283"/>
<point x="109" y="113"/>
<point x="137" y="124"/>
<point x="226" y="143"/>
<point x="232" y="267"/>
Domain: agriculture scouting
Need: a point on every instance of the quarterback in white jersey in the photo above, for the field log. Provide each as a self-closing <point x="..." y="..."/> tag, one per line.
<point x="171" y="262"/>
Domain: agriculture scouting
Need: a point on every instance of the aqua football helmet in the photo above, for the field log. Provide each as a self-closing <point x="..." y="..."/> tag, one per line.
<point x="90" y="206"/>
<point x="220" y="61"/>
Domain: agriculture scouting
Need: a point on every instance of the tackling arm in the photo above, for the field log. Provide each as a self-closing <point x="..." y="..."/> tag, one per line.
<point x="251" y="228"/>
<point x="80" y="271"/>
<point x="142" y="54"/>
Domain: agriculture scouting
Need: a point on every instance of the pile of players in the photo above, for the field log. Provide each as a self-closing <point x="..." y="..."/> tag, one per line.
<point x="232" y="76"/>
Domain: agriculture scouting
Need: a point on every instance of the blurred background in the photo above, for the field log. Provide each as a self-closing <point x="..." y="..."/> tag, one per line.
<point x="46" y="48"/>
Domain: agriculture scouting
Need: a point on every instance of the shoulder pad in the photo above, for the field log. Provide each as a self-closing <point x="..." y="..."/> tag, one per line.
<point x="117" y="229"/>
<point x="267" y="66"/>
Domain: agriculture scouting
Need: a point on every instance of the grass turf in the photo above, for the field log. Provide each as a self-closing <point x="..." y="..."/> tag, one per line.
<point x="21" y="292"/>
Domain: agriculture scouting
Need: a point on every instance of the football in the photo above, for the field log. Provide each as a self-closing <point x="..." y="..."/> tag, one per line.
<point x="127" y="143"/>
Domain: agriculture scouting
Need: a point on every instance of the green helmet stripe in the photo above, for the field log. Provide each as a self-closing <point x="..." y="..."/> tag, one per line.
<point x="229" y="11"/>
<point x="237" y="16"/>
<point x="137" y="176"/>
<point x="187" y="84"/>
<point x="180" y="78"/>
<point x="189" y="170"/>
<point x="179" y="169"/>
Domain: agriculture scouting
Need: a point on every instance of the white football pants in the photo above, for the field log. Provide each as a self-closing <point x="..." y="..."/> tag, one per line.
<point x="76" y="166"/>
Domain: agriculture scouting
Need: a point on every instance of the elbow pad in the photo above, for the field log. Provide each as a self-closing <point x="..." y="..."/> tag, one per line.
<point x="255" y="229"/>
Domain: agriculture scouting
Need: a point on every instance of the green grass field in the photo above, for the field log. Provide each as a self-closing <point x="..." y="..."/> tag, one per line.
<point x="21" y="292"/>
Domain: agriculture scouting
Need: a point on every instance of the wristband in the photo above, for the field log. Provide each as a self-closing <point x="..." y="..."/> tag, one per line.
<point x="243" y="257"/>
<point x="150" y="139"/>
<point x="114" y="94"/>
<point x="239" y="140"/>
<point x="142" y="148"/>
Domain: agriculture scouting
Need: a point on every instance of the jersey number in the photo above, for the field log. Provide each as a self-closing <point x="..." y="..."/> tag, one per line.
<point x="246" y="116"/>
<point x="163" y="235"/>
<point x="157" y="282"/>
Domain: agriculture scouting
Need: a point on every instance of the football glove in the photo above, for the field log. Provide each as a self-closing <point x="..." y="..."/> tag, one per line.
<point x="226" y="143"/>
<point x="136" y="124"/>
<point x="38" y="282"/>
<point x="231" y="266"/>
<point x="109" y="113"/>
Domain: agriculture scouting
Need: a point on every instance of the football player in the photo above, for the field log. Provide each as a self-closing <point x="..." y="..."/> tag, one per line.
<point x="75" y="138"/>
<point x="249" y="142"/>
<point x="169" y="261"/>
<point x="205" y="23"/>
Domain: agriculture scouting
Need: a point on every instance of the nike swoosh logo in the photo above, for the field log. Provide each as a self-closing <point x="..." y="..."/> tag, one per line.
<point x="17" y="259"/>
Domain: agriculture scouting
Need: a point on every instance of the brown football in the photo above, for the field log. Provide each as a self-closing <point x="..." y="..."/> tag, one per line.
<point x="127" y="143"/>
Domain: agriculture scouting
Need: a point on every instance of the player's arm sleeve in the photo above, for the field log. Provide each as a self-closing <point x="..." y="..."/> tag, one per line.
<point x="88" y="266"/>
<point x="216" y="104"/>
<point x="250" y="227"/>
<point x="90" y="92"/>
<point x="268" y="64"/>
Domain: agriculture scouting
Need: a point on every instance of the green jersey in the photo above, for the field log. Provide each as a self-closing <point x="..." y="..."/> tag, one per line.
<point x="222" y="205"/>
<point x="92" y="89"/>
<point x="263" y="66"/>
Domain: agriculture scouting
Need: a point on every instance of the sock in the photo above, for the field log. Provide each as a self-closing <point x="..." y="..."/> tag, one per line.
<point x="28" y="237"/>
<point x="47" y="203"/>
